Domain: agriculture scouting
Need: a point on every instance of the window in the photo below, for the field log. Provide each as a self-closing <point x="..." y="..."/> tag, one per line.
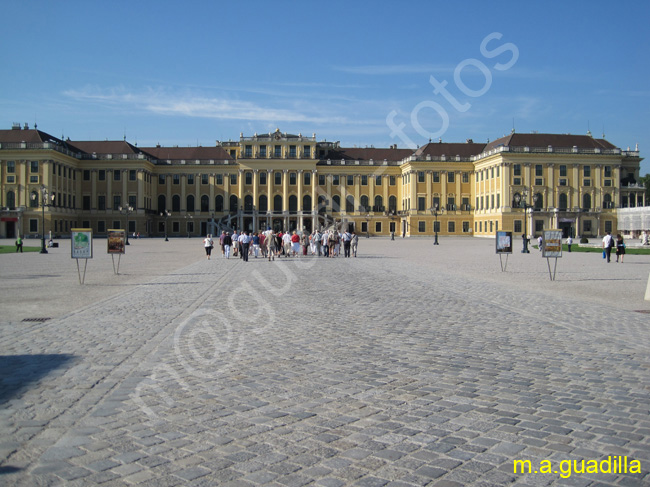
<point x="277" y="151"/>
<point x="465" y="227"/>
<point x="436" y="177"/>
<point x="117" y="175"/>
<point x="205" y="203"/>
<point x="392" y="204"/>
<point x="133" y="203"/>
<point x="248" y="151"/>
<point x="562" y="171"/>
<point x="421" y="203"/>
<point x="248" y="203"/>
<point x="307" y="151"/>
<point x="86" y="175"/>
<point x="586" y="182"/>
<point x="608" y="182"/>
<point x="176" y="203"/>
<point x="264" y="204"/>
<point x="364" y="203"/>
<point x="539" y="226"/>
<point x="292" y="178"/>
<point x="321" y="180"/>
<point x="379" y="204"/>
<point x="132" y="175"/>
<point x="451" y="176"/>
<point x="562" y="182"/>
<point x="263" y="178"/>
<point x="101" y="175"/>
<point x="176" y="179"/>
<point x="420" y="176"/>
<point x="161" y="179"/>
<point x="11" y="167"/>
<point x="349" y="203"/>
<point x="364" y="227"/>
<point x="292" y="151"/>
<point x="233" y="202"/>
<point x="189" y="202"/>
<point x="391" y="180"/>
<point x="451" y="226"/>
<point x="278" y="178"/>
<point x="539" y="170"/>
<point x="562" y="201"/>
<point x="465" y="177"/>
<point x="335" y="179"/>
<point x="586" y="226"/>
<point x="377" y="180"/>
<point x="608" y="226"/>
<point x="263" y="151"/>
<point x="608" y="171"/>
<point x="204" y="179"/>
<point x="33" y="225"/>
<point x="249" y="177"/>
<point x="33" y="179"/>
<point x="233" y="179"/>
<point x="117" y="202"/>
<point x="306" y="203"/>
<point x="218" y="203"/>
<point x="306" y="178"/>
<point x="539" y="181"/>
<point x="11" y="199"/>
<point x="517" y="226"/>
<point x="607" y="201"/>
<point x="377" y="227"/>
<point x="586" y="201"/>
<point x="516" y="169"/>
<point x="421" y="226"/>
<point x="516" y="181"/>
<point x="219" y="179"/>
<point x="190" y="179"/>
<point x="277" y="203"/>
<point x="176" y="227"/>
<point x="336" y="203"/>
<point x="33" y="167"/>
<point x="587" y="171"/>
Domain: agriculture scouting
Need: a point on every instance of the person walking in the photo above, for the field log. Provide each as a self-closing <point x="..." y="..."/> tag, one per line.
<point x="295" y="243"/>
<point x="355" y="243"/>
<point x="620" y="247"/>
<point x="208" y="244"/>
<point x="221" y="237"/>
<point x="244" y="245"/>
<point x="19" y="244"/>
<point x="347" y="242"/>
<point x="256" y="244"/>
<point x="608" y="243"/>
<point x="569" y="242"/>
<point x="227" y="243"/>
<point x="540" y="243"/>
<point x="317" y="239"/>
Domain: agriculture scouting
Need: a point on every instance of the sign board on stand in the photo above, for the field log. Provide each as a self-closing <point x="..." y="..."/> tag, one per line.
<point x="81" y="247"/>
<point x="503" y="246"/>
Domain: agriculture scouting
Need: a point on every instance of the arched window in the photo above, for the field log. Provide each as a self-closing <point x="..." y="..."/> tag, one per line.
<point x="607" y="201"/>
<point x="233" y="203"/>
<point x="218" y="203"/>
<point x="379" y="203"/>
<point x="190" y="202"/>
<point x="205" y="203"/>
<point x="264" y="203"/>
<point x="277" y="203"/>
<point x="516" y="201"/>
<point x="586" y="201"/>
<point x="11" y="199"/>
<point x="293" y="204"/>
<point x="306" y="203"/>
<point x="563" y="201"/>
<point x="392" y="203"/>
<point x="322" y="207"/>
<point x="364" y="203"/>
<point x="336" y="203"/>
<point x="176" y="203"/>
<point x="248" y="203"/>
<point x="162" y="205"/>
<point x="538" y="200"/>
<point x="349" y="203"/>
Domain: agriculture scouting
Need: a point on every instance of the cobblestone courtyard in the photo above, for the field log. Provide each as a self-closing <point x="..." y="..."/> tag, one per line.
<point x="412" y="364"/>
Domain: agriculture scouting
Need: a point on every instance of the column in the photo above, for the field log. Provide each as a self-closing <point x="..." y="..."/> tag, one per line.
<point x="226" y="193"/>
<point x="256" y="201"/>
<point x="314" y="199"/>
<point x="269" y="198"/>
<point x="240" y="198"/>
<point x="183" y="197"/>
<point x="300" y="206"/>
<point x="211" y="183"/>
<point x="141" y="194"/>
<point x="285" y="190"/>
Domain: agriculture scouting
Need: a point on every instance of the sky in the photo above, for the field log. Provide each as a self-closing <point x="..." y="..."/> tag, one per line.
<point x="362" y="73"/>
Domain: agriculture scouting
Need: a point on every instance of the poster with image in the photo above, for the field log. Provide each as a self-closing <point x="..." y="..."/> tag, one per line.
<point x="81" y="246"/>
<point x="552" y="246"/>
<point x="116" y="241"/>
<point x="504" y="242"/>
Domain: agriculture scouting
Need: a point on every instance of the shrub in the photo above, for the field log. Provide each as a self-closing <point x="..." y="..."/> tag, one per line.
<point x="584" y="240"/>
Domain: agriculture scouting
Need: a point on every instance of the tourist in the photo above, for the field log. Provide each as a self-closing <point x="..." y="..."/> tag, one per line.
<point x="19" y="244"/>
<point x="608" y="243"/>
<point x="354" y="243"/>
<point x="347" y="242"/>
<point x="620" y="247"/>
<point x="569" y="242"/>
<point x="208" y="244"/>
<point x="227" y="243"/>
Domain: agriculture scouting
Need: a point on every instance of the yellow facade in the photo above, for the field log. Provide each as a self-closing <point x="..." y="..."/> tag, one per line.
<point x="521" y="183"/>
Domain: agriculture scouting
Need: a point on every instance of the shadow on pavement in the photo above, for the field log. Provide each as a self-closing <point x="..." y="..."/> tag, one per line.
<point x="17" y="372"/>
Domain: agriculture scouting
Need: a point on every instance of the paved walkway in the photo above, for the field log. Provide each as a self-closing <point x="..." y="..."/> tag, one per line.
<point x="409" y="365"/>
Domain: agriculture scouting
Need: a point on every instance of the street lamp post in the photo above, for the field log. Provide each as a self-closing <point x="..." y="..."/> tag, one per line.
<point x="46" y="200"/>
<point x="522" y="199"/>
<point x="127" y="210"/>
<point x="435" y="210"/>
<point x="166" y="214"/>
<point x="368" y="225"/>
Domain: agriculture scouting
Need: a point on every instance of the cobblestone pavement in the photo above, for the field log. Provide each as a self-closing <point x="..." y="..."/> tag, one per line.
<point x="409" y="365"/>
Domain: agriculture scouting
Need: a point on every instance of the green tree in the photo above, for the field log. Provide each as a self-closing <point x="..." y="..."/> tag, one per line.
<point x="645" y="180"/>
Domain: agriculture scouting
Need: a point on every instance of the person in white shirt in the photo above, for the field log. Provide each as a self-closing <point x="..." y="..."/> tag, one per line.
<point x="608" y="243"/>
<point x="208" y="244"/>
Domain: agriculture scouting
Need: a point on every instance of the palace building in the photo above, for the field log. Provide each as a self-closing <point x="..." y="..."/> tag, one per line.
<point x="523" y="183"/>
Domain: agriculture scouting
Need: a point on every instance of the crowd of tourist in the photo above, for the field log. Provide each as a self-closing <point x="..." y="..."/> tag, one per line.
<point x="271" y="244"/>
